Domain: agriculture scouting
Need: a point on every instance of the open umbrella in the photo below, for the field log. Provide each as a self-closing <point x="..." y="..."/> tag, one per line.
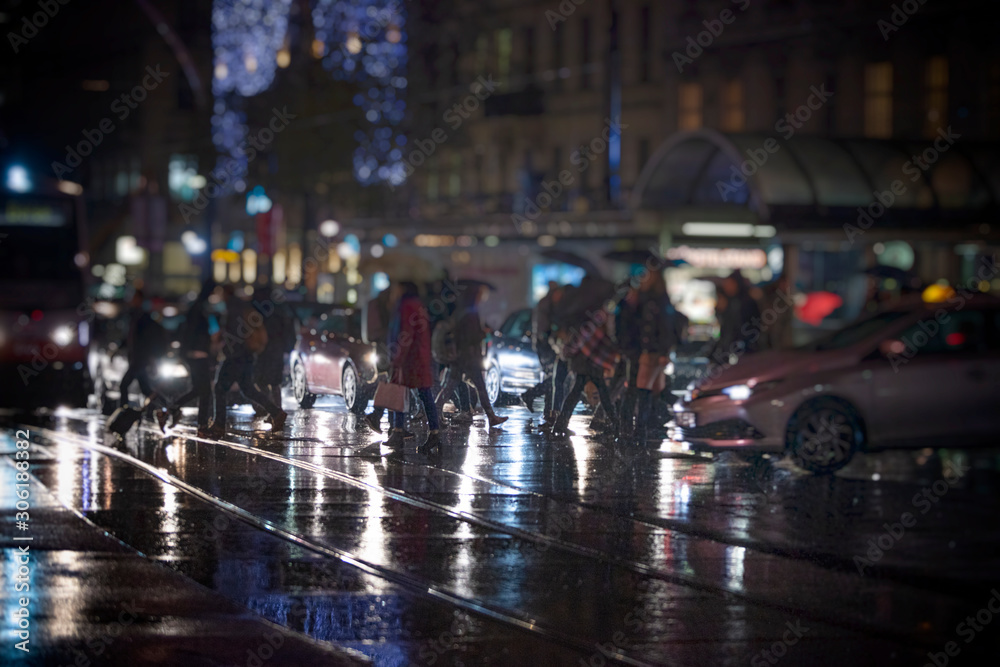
<point x="473" y="283"/>
<point x="643" y="257"/>
<point x="817" y="306"/>
<point x="567" y="257"/>
<point x="901" y="276"/>
<point x="403" y="266"/>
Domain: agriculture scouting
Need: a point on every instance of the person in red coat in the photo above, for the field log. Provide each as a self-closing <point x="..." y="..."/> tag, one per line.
<point x="410" y="356"/>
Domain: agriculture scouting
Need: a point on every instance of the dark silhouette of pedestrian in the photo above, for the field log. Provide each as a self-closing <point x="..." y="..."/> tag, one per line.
<point x="244" y="337"/>
<point x="144" y="344"/>
<point x="657" y="335"/>
<point x="468" y="364"/>
<point x="196" y="354"/>
<point x="542" y="318"/>
<point x="279" y="322"/>
<point x="410" y="349"/>
<point x="740" y="310"/>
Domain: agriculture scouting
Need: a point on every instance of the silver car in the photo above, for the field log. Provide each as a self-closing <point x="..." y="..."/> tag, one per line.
<point x="511" y="364"/>
<point x="920" y="375"/>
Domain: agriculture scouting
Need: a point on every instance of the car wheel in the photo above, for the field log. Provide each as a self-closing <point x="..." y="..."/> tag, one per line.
<point x="300" y="388"/>
<point x="823" y="436"/>
<point x="351" y="390"/>
<point x="493" y="384"/>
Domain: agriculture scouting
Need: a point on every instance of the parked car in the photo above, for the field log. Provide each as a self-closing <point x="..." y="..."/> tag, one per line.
<point x="331" y="358"/>
<point x="919" y="375"/>
<point x="511" y="363"/>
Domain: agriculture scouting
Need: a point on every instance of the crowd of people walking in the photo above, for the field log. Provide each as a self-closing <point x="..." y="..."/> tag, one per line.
<point x="595" y="338"/>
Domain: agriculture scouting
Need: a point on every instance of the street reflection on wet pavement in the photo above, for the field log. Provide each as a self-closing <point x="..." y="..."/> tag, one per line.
<point x="508" y="548"/>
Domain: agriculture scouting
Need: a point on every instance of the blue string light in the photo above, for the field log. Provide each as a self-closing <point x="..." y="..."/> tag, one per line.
<point x="365" y="41"/>
<point x="246" y="37"/>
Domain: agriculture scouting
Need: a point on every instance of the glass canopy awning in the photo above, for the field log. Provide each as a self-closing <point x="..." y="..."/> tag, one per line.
<point x="806" y="180"/>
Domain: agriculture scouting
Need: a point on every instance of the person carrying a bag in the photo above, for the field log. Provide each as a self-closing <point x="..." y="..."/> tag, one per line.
<point x="657" y="336"/>
<point x="410" y="356"/>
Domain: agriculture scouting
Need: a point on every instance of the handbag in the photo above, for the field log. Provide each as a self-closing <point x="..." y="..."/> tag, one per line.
<point x="392" y="396"/>
<point x="651" y="375"/>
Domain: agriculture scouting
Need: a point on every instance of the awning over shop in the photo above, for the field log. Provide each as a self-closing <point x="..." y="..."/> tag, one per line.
<point x="804" y="181"/>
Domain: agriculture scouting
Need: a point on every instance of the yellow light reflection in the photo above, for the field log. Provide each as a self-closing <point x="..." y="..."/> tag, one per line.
<point x="582" y="452"/>
<point x="371" y="546"/>
<point x="171" y="525"/>
<point x="734" y="566"/>
<point x="66" y="454"/>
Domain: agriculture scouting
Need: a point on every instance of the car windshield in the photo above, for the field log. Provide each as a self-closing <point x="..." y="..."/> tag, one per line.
<point x="341" y="323"/>
<point x="517" y="324"/>
<point x="856" y="332"/>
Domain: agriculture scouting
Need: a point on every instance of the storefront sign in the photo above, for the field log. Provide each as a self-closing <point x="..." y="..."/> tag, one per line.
<point x="720" y="258"/>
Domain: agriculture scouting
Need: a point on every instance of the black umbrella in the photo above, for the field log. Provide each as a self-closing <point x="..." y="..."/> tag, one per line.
<point x="901" y="276"/>
<point x="643" y="257"/>
<point x="567" y="257"/>
<point x="590" y="296"/>
<point x="472" y="283"/>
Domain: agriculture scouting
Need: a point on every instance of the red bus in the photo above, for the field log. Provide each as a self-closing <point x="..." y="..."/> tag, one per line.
<point x="44" y="328"/>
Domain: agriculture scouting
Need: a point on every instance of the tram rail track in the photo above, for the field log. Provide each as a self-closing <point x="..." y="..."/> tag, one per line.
<point x="857" y="624"/>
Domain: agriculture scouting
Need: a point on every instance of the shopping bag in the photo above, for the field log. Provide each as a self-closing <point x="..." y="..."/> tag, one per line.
<point x="392" y="396"/>
<point x="124" y="418"/>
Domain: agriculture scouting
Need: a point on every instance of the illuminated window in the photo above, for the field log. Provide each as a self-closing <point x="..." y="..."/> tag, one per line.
<point x="529" y="52"/>
<point x="733" y="116"/>
<point x="482" y="53"/>
<point x="455" y="179"/>
<point x="878" y="100"/>
<point x="558" y="48"/>
<point x="643" y="155"/>
<point x="936" y="95"/>
<point x="645" y="44"/>
<point x="504" y="40"/>
<point x="432" y="180"/>
<point x="690" y="107"/>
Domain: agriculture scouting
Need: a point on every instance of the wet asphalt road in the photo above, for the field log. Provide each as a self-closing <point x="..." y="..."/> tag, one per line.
<point x="509" y="549"/>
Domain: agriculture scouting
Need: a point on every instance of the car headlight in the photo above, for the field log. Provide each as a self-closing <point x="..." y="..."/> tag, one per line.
<point x="372" y="358"/>
<point x="171" y="369"/>
<point x="741" y="392"/>
<point x="738" y="392"/>
<point x="62" y="336"/>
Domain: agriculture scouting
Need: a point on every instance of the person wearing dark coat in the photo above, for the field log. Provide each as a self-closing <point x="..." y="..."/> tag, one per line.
<point x="244" y="337"/>
<point x="657" y="335"/>
<point x="627" y="325"/>
<point x="143" y="344"/>
<point x="196" y="354"/>
<point x="469" y="336"/>
<point x="541" y="329"/>
<point x="279" y="322"/>
<point x="739" y="312"/>
<point x="410" y="356"/>
<point x="591" y="355"/>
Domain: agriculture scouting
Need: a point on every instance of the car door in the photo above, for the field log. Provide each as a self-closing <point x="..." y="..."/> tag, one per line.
<point x="932" y="389"/>
<point x="324" y="355"/>
<point x="312" y="353"/>
<point x="344" y="327"/>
